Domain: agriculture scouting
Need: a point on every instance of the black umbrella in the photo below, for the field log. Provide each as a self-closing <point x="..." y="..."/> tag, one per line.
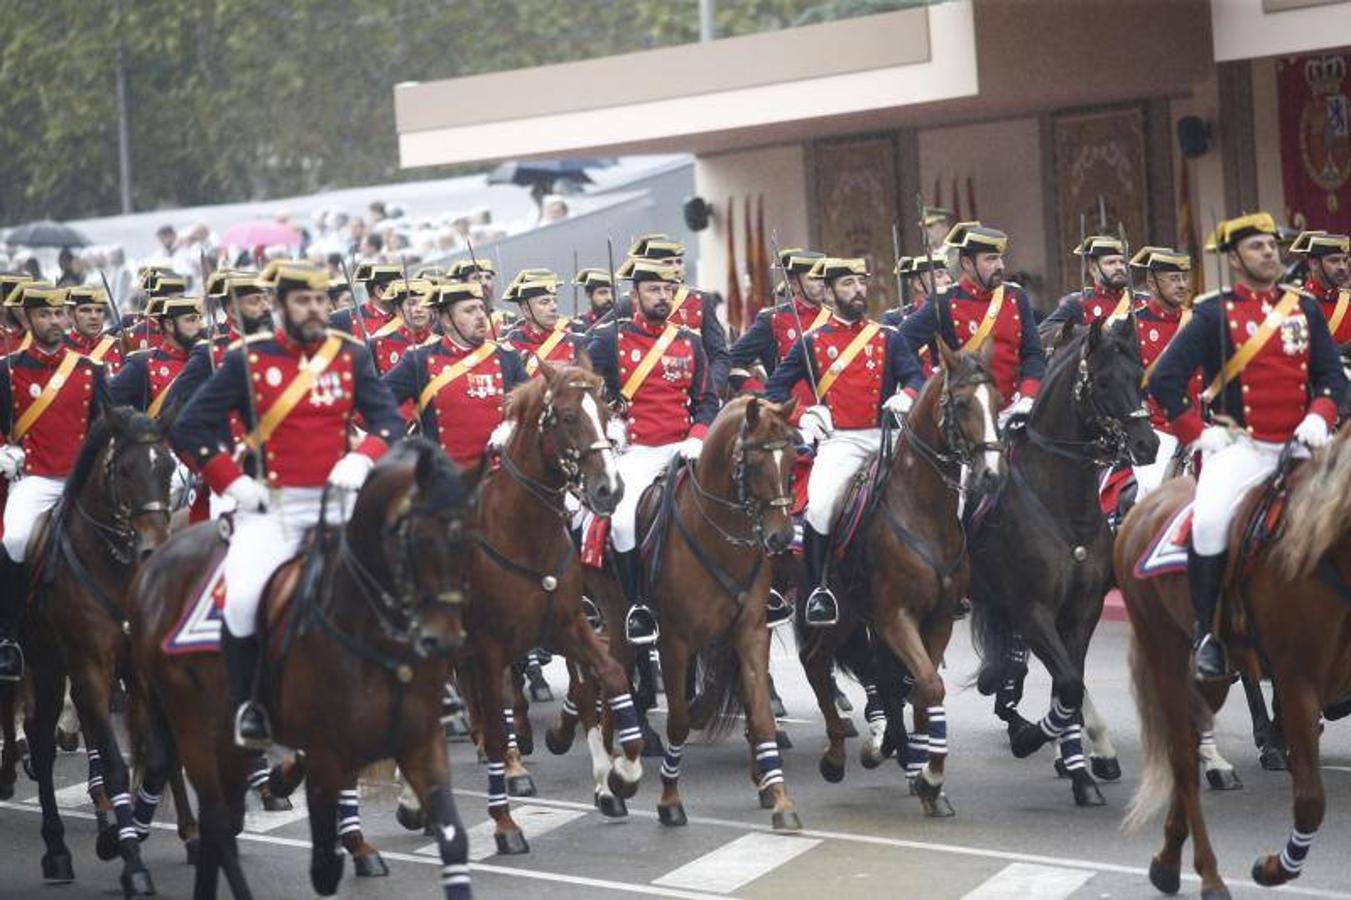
<point x="544" y="172"/>
<point x="46" y="234"/>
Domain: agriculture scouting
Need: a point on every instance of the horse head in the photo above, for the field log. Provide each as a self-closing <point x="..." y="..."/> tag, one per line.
<point x="760" y="462"/>
<point x="968" y="402"/>
<point x="124" y="473"/>
<point x="572" y="421"/>
<point x="1108" y="396"/>
<point x="415" y="508"/>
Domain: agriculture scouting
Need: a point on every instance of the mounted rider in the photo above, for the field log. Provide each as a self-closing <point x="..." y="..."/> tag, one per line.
<point x="145" y="381"/>
<point x="914" y="272"/>
<point x="775" y="329"/>
<point x="49" y="396"/>
<point x="540" y="332"/>
<point x="89" y="310"/>
<point x="658" y="369"/>
<point x="459" y="381"/>
<point x="306" y="383"/>
<point x="857" y="372"/>
<point x="983" y="307"/>
<point x="600" y="296"/>
<point x="482" y="272"/>
<point x="691" y="308"/>
<point x="1328" y="261"/>
<point x="1271" y="370"/>
<point x="411" y="325"/>
<point x="375" y="317"/>
<point x="1108" y="294"/>
<point x="146" y="334"/>
<point x="13" y="328"/>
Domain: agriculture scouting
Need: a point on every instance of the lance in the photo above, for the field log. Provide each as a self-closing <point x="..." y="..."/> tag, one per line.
<point x="933" y="283"/>
<point x="357" y="317"/>
<point x="797" y="318"/>
<point x="896" y="253"/>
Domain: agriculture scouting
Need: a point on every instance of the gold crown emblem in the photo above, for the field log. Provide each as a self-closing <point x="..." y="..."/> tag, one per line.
<point x="1325" y="75"/>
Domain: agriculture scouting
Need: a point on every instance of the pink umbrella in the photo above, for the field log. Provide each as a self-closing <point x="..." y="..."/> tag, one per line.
<point x="260" y="232"/>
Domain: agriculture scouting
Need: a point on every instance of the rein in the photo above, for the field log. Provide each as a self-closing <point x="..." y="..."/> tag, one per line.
<point x="1108" y="447"/>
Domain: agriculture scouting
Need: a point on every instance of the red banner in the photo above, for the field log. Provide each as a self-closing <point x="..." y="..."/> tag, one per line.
<point x="1315" y="118"/>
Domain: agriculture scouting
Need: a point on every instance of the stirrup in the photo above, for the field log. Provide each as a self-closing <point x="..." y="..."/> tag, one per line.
<point x="592" y="613"/>
<point x="640" y="626"/>
<point x="1213" y="653"/>
<point x="823" y="610"/>
<point x="15" y="669"/>
<point x="260" y="730"/>
<point x="778" y="611"/>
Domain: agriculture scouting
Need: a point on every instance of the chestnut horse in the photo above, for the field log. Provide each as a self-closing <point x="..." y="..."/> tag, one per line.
<point x="903" y="574"/>
<point x="1289" y="604"/>
<point x="365" y="653"/>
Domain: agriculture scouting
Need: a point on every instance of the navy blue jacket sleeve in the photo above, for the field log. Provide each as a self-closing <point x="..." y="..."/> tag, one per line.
<point x="342" y="320"/>
<point x="131" y="386"/>
<point x="1326" y="377"/>
<point x="197" y="433"/>
<point x="407" y="378"/>
<point x="757" y="344"/>
<point x="703" y="395"/>
<point x="513" y="370"/>
<point x="1030" y="352"/>
<point x="601" y="349"/>
<point x="374" y="402"/>
<point x="715" y="346"/>
<point x="101" y="399"/>
<point x="921" y="325"/>
<point x="789" y="372"/>
<point x="1196" y="343"/>
<point x="1070" y="309"/>
<point x="903" y="368"/>
<point x="195" y="373"/>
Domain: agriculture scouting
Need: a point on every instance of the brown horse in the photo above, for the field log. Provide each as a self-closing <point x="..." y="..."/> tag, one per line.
<point x="525" y="577"/>
<point x="709" y="584"/>
<point x="113" y="513"/>
<point x="356" y="670"/>
<point x="1288" y="603"/>
<point x="902" y="576"/>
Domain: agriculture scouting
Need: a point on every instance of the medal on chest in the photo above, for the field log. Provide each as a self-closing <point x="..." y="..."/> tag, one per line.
<point x="1295" y="336"/>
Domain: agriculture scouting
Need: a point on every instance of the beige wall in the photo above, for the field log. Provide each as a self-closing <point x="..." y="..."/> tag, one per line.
<point x="1004" y="159"/>
<point x="1267" y="135"/>
<point x="777" y="172"/>
<point x="1207" y="172"/>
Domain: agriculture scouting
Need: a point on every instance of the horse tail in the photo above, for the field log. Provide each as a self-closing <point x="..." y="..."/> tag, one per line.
<point x="715" y="708"/>
<point x="1157" y="738"/>
<point x="992" y="635"/>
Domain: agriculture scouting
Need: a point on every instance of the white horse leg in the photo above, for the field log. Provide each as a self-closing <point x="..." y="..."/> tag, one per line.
<point x="1098" y="743"/>
<point x="605" y="799"/>
<point x="410" y="813"/>
<point x="1220" y="774"/>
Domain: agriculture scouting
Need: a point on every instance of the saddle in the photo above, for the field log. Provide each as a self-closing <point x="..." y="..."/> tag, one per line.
<point x="290" y="590"/>
<point x="860" y="503"/>
<point x="655" y="510"/>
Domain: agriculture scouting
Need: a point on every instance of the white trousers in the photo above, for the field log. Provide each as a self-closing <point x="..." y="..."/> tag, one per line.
<point x="263" y="541"/>
<point x="29" y="497"/>
<point x="1149" y="477"/>
<point x="639" y="466"/>
<point x="838" y="459"/>
<point x="1225" y="477"/>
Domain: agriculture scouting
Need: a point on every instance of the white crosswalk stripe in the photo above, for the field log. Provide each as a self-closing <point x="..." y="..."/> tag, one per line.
<point x="259" y="821"/>
<point x="738" y="863"/>
<point x="534" y="821"/>
<point x="1024" y="881"/>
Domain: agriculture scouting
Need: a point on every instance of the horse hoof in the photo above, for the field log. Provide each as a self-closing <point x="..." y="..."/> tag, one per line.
<point x="1086" y="793"/>
<point x="850" y="729"/>
<point x="137" y="883"/>
<point x="1219" y="893"/>
<point x="556" y="743"/>
<point x="783" y="740"/>
<point x="1106" y="768"/>
<point x="67" y="741"/>
<point x="410" y="819"/>
<point x="482" y="757"/>
<point x="325" y="873"/>
<point x="766" y="799"/>
<point x="786" y="820"/>
<point x="619" y="787"/>
<point x="521" y="786"/>
<point x="194" y="851"/>
<point x="57" y="868"/>
<point x="869" y="755"/>
<point x="1060" y="770"/>
<point x="1273" y="758"/>
<point x="1268" y="872"/>
<point x="611" y="806"/>
<point x="1026" y="740"/>
<point x="832" y="772"/>
<point x="1166" y="879"/>
<point x="1223" y="780"/>
<point x="511" y="843"/>
<point x="931" y="796"/>
<point x="273" y="803"/>
<point x="370" y="866"/>
<point x="107" y="846"/>
<point x="672" y="816"/>
<point x="526" y="744"/>
<point x="777" y="708"/>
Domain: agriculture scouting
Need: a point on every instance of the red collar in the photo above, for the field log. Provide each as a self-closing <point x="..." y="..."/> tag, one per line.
<point x="806" y="310"/>
<point x="1099" y="292"/>
<point x="455" y="350"/>
<point x="838" y="324"/>
<point x="1319" y="290"/>
<point x="168" y="351"/>
<point x="1243" y="292"/>
<point x="973" y="290"/>
<point x="370" y="311"/>
<point x="79" y="340"/>
<point x="45" y="359"/>
<point x="292" y="346"/>
<point x="644" y="326"/>
<point x="1163" y="312"/>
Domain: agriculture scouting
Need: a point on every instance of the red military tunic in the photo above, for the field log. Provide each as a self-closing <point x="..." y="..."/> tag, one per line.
<point x="53" y="442"/>
<point x="145" y="335"/>
<point x="14" y="338"/>
<point x="659" y="412"/>
<point x="530" y="340"/>
<point x="1155" y="326"/>
<point x="373" y="320"/>
<point x="388" y="349"/>
<point x="102" y="348"/>
<point x="1336" y="307"/>
<point x="967" y="306"/>
<point x="147" y="376"/>
<point x="856" y="395"/>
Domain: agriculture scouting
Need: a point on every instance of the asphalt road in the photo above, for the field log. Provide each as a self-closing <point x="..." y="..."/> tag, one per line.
<point x="1016" y="832"/>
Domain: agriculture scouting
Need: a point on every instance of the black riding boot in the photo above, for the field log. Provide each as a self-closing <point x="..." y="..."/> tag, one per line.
<point x="640" y="625"/>
<point x="1205" y="577"/>
<point x="252" y="730"/>
<point x="822" y="608"/>
<point x="12" y="598"/>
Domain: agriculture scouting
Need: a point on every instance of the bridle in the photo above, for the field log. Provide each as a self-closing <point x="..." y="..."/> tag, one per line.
<point x="745" y="504"/>
<point x="1109" y="444"/>
<point x="118" y="534"/>
<point x="958" y="450"/>
<point x="566" y="460"/>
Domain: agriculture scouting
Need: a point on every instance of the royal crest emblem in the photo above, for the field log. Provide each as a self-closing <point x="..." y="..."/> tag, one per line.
<point x="1325" y="127"/>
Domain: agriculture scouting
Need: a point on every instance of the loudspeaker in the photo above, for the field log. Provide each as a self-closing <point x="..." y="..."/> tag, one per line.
<point x="1193" y="136"/>
<point x="697" y="213"/>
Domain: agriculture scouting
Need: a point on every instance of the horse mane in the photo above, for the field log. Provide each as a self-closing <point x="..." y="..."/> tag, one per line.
<point x="526" y="401"/>
<point x="727" y="424"/>
<point x="447" y="488"/>
<point x="113" y="423"/>
<point x="1319" y="511"/>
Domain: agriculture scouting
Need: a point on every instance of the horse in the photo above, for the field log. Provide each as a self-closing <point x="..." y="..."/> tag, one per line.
<point x="716" y="522"/>
<point x="113" y="512"/>
<point x="1287" y="604"/>
<point x="1041" y="548"/>
<point x="527" y="582"/>
<point x="358" y="654"/>
<point x="901" y="577"/>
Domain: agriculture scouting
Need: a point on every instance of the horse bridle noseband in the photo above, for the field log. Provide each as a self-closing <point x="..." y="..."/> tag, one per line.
<point x="958" y="450"/>
<point x="1109" y="446"/>
<point x="567" y="460"/>
<point x="746" y="503"/>
<point x="119" y="534"/>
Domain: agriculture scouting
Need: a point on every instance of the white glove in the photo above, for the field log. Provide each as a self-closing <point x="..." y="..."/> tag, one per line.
<point x="1213" y="439"/>
<point x="815" y="424"/>
<point x="690" y="447"/>
<point x="1313" y="431"/>
<point x="349" y="473"/>
<point x="1021" y="407"/>
<point x="898" y="404"/>
<point x="617" y="430"/>
<point x="249" y="494"/>
<point x="180" y="482"/>
<point x="11" y="461"/>
<point x="498" y="439"/>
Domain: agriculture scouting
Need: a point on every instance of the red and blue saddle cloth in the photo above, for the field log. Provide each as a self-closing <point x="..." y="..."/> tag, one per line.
<point x="198" y="627"/>
<point x="1167" y="552"/>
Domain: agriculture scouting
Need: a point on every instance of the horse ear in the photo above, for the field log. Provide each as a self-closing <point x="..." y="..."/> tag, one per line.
<point x="948" y="354"/>
<point x="986" y="355"/>
<point x="753" y="413"/>
<point x="787" y="409"/>
<point x="165" y="422"/>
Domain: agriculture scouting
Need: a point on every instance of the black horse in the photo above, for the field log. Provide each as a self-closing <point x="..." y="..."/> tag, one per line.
<point x="1041" y="550"/>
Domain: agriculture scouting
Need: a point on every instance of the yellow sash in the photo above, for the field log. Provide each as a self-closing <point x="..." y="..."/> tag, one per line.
<point x="54" y="384"/>
<point x="649" y="361"/>
<point x="310" y="371"/>
<point x="102" y="349"/>
<point x="158" y="403"/>
<point x="389" y="327"/>
<point x="560" y="331"/>
<point x="453" y="372"/>
<point x="837" y="368"/>
<point x="1339" y="311"/>
<point x="1123" y="307"/>
<point x="681" y="295"/>
<point x="1253" y="345"/>
<point x="986" y="324"/>
<point x="822" y="317"/>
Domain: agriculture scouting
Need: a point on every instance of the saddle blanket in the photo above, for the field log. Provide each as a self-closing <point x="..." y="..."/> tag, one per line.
<point x="1167" y="552"/>
<point x="198" y="628"/>
<point x="1111" y="485"/>
<point x="595" y="532"/>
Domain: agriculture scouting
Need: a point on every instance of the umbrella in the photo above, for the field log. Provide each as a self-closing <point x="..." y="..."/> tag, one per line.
<point x="546" y="171"/>
<point x="256" y="232"/>
<point x="46" y="234"/>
